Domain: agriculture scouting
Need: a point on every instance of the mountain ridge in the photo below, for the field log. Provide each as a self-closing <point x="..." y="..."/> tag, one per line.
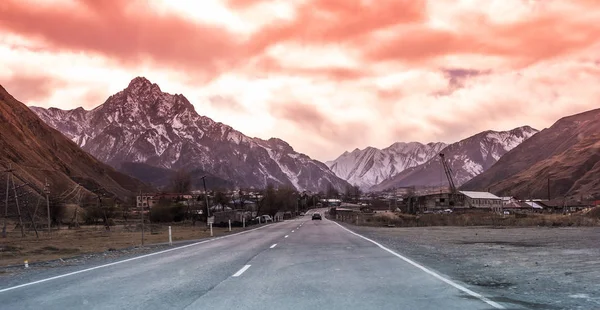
<point x="38" y="152"/>
<point x="467" y="158"/>
<point x="145" y="125"/>
<point x="370" y="166"/>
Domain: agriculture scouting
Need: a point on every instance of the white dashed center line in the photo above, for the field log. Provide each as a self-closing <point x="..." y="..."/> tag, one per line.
<point x="239" y="273"/>
<point x="274" y="245"/>
<point x="286" y="236"/>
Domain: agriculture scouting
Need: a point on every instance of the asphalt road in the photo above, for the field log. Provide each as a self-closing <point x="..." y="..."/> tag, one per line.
<point x="296" y="264"/>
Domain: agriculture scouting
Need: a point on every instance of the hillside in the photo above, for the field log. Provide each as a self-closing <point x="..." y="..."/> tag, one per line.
<point x="38" y="152"/>
<point x="567" y="153"/>
<point x="161" y="177"/>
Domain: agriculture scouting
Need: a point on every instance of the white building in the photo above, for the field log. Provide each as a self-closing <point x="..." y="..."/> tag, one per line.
<point x="482" y="200"/>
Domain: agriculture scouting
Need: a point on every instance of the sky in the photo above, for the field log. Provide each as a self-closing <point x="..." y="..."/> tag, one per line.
<point x="324" y="75"/>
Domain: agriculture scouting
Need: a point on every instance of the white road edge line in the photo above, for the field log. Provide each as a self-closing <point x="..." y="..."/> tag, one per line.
<point x="434" y="274"/>
<point x="125" y="260"/>
<point x="274" y="245"/>
<point x="239" y="273"/>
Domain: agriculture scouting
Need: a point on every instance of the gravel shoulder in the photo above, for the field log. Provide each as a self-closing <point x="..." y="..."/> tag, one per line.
<point x="16" y="274"/>
<point x="523" y="268"/>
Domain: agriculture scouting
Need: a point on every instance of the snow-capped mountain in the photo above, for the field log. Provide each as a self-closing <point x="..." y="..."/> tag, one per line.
<point x="143" y="124"/>
<point x="371" y="166"/>
<point x="467" y="158"/>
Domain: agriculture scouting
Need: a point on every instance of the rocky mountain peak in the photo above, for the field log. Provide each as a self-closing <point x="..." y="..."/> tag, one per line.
<point x="142" y="124"/>
<point x="280" y="144"/>
<point x="141" y="83"/>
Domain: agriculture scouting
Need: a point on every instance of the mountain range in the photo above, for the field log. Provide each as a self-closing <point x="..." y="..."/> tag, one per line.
<point x="467" y="158"/>
<point x="560" y="161"/>
<point x="38" y="153"/>
<point x="142" y="124"/>
<point x="371" y="166"/>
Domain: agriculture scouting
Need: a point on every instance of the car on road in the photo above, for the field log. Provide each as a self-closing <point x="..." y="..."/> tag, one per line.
<point x="316" y="216"/>
<point x="264" y="219"/>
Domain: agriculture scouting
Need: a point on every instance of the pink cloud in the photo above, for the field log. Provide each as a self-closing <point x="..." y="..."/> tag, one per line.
<point x="447" y="74"/>
<point x="31" y="87"/>
<point x="124" y="33"/>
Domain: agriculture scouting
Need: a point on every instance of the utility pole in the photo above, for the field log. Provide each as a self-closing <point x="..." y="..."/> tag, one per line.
<point x="18" y="209"/>
<point x="142" y="206"/>
<point x="47" y="192"/>
<point x="206" y="198"/>
<point x="6" y="200"/>
<point x="548" y="188"/>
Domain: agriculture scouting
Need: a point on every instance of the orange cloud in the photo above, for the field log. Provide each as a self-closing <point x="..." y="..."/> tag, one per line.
<point x="122" y="32"/>
<point x="352" y="73"/>
<point x="312" y="120"/>
<point x="338" y="21"/>
<point x="31" y="87"/>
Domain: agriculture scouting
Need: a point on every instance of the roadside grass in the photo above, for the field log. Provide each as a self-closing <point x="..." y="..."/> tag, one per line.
<point x="471" y="219"/>
<point x="67" y="243"/>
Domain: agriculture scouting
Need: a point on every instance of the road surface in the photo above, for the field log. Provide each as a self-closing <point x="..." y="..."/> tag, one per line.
<point x="296" y="264"/>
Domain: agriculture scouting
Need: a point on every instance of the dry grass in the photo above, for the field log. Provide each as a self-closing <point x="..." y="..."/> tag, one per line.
<point x="473" y="219"/>
<point x="91" y="239"/>
<point x="593" y="212"/>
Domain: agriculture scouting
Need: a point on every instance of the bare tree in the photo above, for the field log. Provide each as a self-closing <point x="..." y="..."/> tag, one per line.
<point x="221" y="198"/>
<point x="331" y="191"/>
<point x="181" y="182"/>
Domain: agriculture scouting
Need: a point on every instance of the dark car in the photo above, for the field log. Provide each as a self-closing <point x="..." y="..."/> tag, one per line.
<point x="316" y="216"/>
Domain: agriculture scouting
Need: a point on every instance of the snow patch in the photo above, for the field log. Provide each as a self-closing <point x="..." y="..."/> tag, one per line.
<point x="471" y="167"/>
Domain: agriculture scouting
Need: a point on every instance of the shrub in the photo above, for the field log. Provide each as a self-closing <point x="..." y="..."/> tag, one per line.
<point x="167" y="213"/>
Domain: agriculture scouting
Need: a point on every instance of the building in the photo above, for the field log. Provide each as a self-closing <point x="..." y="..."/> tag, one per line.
<point x="484" y="200"/>
<point x="436" y="202"/>
<point x="150" y="200"/>
<point x="563" y="205"/>
<point x="330" y="202"/>
<point x="146" y="201"/>
<point x="508" y="200"/>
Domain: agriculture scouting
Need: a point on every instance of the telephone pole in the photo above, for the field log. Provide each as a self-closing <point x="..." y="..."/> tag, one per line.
<point x="206" y="198"/>
<point x="141" y="202"/>
<point x="18" y="209"/>
<point x="9" y="171"/>
<point x="548" y="188"/>
<point x="47" y="192"/>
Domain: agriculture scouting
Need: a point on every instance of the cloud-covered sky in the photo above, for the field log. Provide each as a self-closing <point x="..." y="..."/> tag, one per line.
<point x="324" y="75"/>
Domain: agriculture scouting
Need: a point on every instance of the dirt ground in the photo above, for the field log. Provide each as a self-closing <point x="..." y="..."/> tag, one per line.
<point x="523" y="268"/>
<point x="67" y="243"/>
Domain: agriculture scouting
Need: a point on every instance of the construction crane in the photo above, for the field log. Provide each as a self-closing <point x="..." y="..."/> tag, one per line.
<point x="448" y="172"/>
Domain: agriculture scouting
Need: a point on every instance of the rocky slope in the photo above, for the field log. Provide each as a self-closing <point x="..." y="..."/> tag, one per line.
<point x="38" y="152"/>
<point x="567" y="153"/>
